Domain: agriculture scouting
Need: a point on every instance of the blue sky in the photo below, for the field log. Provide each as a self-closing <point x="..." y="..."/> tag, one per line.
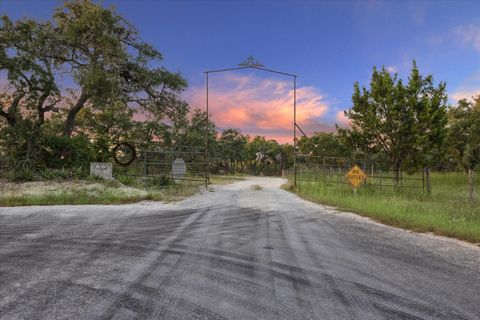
<point x="328" y="44"/>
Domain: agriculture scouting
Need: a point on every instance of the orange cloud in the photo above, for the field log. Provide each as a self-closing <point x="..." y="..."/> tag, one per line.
<point x="262" y="106"/>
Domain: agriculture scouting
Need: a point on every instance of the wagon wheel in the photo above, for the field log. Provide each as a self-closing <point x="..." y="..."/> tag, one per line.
<point x="124" y="153"/>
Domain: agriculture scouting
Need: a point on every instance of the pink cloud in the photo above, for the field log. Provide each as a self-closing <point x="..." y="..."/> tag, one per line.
<point x="464" y="94"/>
<point x="262" y="106"/>
<point x="342" y="120"/>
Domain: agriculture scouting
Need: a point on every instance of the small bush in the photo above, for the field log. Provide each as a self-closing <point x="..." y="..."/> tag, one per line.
<point x="62" y="174"/>
<point x="161" y="181"/>
<point x="80" y="172"/>
<point x="22" y="173"/>
<point x="47" y="174"/>
<point x="64" y="152"/>
<point x="127" y="180"/>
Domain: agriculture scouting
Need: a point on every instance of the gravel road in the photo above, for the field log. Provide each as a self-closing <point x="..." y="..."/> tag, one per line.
<point x="236" y="252"/>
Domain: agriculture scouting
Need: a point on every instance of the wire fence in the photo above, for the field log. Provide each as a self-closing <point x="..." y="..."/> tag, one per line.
<point x="332" y="171"/>
<point x="185" y="163"/>
<point x="5" y="166"/>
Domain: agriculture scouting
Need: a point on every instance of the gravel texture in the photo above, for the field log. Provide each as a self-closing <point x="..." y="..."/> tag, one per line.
<point x="246" y="250"/>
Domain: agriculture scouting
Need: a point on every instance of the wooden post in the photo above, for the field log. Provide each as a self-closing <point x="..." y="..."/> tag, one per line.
<point x="471" y="195"/>
<point x="423" y="180"/>
<point x="145" y="165"/>
<point x="427" y="180"/>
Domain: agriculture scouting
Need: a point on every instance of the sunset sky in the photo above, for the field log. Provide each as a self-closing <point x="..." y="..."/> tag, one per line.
<point x="328" y="44"/>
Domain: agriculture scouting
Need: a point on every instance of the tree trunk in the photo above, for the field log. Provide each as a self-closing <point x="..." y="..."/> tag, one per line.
<point x="12" y="121"/>
<point x="11" y="114"/>
<point x="428" y="183"/>
<point x="471" y="195"/>
<point x="72" y="114"/>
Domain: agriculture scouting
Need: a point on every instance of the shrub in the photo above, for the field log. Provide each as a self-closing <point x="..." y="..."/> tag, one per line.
<point x="47" y="174"/>
<point x="22" y="173"/>
<point x="64" y="173"/>
<point x="161" y="181"/>
<point x="65" y="152"/>
<point x="127" y="180"/>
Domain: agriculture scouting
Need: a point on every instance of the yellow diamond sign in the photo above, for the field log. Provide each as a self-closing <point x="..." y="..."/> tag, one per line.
<point x="356" y="176"/>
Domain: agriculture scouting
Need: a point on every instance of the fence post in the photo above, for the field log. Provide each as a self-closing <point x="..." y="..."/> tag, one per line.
<point x="145" y="164"/>
<point x="324" y="171"/>
<point x="380" y="175"/>
<point x="471" y="196"/>
<point x="427" y="180"/>
<point x="423" y="180"/>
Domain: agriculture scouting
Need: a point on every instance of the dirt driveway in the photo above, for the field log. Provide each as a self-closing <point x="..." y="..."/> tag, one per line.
<point x="247" y="250"/>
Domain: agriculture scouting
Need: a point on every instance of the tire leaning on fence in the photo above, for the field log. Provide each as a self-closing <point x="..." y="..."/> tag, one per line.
<point x="124" y="153"/>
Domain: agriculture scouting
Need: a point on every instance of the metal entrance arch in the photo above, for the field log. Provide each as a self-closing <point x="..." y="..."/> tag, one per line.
<point x="251" y="63"/>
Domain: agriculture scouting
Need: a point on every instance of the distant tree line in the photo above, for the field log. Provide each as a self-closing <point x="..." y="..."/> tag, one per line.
<point x="75" y="85"/>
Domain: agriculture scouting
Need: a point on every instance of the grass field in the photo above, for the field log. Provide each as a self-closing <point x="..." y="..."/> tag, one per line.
<point x="446" y="211"/>
<point x="77" y="192"/>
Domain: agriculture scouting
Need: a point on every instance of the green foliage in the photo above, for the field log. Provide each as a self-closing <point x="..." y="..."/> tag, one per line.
<point x="323" y="144"/>
<point x="112" y="66"/>
<point x="51" y="174"/>
<point x="262" y="155"/>
<point x="380" y="117"/>
<point x="161" y="181"/>
<point x="405" y="122"/>
<point x="62" y="174"/>
<point x="429" y="105"/>
<point x="116" y="77"/>
<point x="232" y="144"/>
<point x="65" y="152"/>
<point x="194" y="131"/>
<point x="464" y="133"/>
<point x="127" y="180"/>
<point x="22" y="173"/>
<point x="144" y="182"/>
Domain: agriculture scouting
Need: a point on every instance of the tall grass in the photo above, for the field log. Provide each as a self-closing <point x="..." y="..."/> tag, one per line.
<point x="446" y="211"/>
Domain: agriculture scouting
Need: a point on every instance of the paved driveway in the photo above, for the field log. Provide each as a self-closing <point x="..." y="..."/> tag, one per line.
<point x="234" y="253"/>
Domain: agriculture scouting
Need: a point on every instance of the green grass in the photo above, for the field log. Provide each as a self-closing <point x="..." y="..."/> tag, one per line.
<point x="70" y="198"/>
<point x="97" y="191"/>
<point x="446" y="211"/>
<point x="94" y="192"/>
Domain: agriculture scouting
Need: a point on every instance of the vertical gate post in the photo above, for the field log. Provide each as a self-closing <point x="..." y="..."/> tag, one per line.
<point x="207" y="161"/>
<point x="295" y="130"/>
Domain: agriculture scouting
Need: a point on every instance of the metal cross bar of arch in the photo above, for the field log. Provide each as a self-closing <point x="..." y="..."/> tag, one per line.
<point x="250" y="63"/>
